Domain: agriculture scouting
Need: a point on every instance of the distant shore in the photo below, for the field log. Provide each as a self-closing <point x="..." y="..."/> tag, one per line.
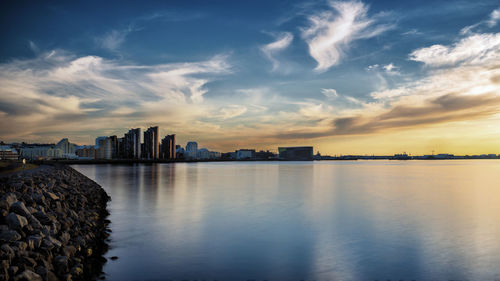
<point x="340" y="158"/>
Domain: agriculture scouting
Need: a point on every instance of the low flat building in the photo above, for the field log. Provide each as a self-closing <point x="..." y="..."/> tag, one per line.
<point x="298" y="153"/>
<point x="8" y="153"/>
<point x="243" y="154"/>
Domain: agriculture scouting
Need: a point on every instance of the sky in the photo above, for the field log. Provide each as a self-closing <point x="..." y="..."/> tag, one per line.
<point x="348" y="77"/>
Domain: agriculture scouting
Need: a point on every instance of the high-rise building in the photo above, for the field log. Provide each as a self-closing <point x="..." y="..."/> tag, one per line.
<point x="151" y="143"/>
<point x="104" y="148"/>
<point x="191" y="150"/>
<point x="168" y="147"/>
<point x="114" y="146"/>
<point x="132" y="144"/>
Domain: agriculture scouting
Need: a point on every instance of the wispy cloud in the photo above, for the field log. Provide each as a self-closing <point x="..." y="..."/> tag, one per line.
<point x="331" y="32"/>
<point x="283" y="40"/>
<point x="330" y="93"/>
<point x="474" y="49"/>
<point x="490" y="22"/>
<point x="113" y="39"/>
<point x="494" y="18"/>
<point x="58" y="91"/>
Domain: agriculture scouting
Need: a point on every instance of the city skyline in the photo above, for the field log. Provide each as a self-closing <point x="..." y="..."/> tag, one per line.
<point x="347" y="77"/>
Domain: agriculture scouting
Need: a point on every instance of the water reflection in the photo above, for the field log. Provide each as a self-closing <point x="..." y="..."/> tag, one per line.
<point x="365" y="220"/>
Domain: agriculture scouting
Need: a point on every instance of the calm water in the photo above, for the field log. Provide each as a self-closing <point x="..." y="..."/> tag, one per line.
<point x="359" y="220"/>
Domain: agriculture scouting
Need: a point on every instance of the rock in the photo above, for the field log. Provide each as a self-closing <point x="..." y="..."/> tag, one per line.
<point x="34" y="222"/>
<point x="20" y="209"/>
<point x="66" y="230"/>
<point x="113" y="258"/>
<point x="77" y="270"/>
<point x="29" y="261"/>
<point x="13" y="270"/>
<point x="21" y="246"/>
<point x="28" y="275"/>
<point x="51" y="195"/>
<point x="9" y="236"/>
<point x="34" y="241"/>
<point x="51" y="242"/>
<point x="38" y="198"/>
<point x="7" y="200"/>
<point x="61" y="264"/>
<point x="43" y="218"/>
<point x="16" y="222"/>
<point x="69" y="251"/>
<point x="7" y="252"/>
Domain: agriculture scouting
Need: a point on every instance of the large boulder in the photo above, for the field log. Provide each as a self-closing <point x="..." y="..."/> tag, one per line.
<point x="16" y="222"/>
<point x="20" y="209"/>
<point x="7" y="200"/>
<point x="9" y="235"/>
<point x="43" y="218"/>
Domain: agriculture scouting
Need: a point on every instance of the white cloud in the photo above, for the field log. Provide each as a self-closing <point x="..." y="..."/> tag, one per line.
<point x="331" y="32"/>
<point x="232" y="111"/>
<point x="330" y="93"/>
<point x="283" y="40"/>
<point x="59" y="92"/>
<point x="34" y="47"/>
<point x="494" y="18"/>
<point x="490" y="22"/>
<point x="113" y="39"/>
<point x="475" y="49"/>
<point x="391" y="69"/>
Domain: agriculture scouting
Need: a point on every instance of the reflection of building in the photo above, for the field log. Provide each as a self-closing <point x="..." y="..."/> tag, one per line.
<point x="245" y="154"/>
<point x="132" y="144"/>
<point x="168" y="147"/>
<point x="301" y="153"/>
<point x="191" y="150"/>
<point x="151" y="143"/>
<point x="8" y="153"/>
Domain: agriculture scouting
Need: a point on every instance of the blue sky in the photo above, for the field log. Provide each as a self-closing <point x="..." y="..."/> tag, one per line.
<point x="345" y="76"/>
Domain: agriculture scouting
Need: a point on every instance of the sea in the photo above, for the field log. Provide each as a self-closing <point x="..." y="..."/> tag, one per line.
<point x="318" y="220"/>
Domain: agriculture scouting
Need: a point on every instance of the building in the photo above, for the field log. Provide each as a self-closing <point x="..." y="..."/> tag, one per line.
<point x="104" y="148"/>
<point x="191" y="150"/>
<point x="86" y="152"/>
<point x="8" y="153"/>
<point x="299" y="153"/>
<point x="41" y="152"/>
<point x="68" y="149"/>
<point x="203" y="154"/>
<point x="265" y="155"/>
<point x="151" y="143"/>
<point x="132" y="144"/>
<point x="168" y="147"/>
<point x="214" y="155"/>
<point x="243" y="154"/>
<point x="179" y="152"/>
<point x="115" y="148"/>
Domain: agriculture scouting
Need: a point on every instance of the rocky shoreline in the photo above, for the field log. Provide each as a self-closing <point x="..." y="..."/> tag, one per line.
<point x="53" y="225"/>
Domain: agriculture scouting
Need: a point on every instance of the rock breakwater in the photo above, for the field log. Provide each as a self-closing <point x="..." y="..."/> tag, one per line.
<point x="53" y="225"/>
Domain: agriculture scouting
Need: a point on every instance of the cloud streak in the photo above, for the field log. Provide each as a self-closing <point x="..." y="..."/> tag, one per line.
<point x="58" y="91"/>
<point x="282" y="42"/>
<point x="331" y="32"/>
